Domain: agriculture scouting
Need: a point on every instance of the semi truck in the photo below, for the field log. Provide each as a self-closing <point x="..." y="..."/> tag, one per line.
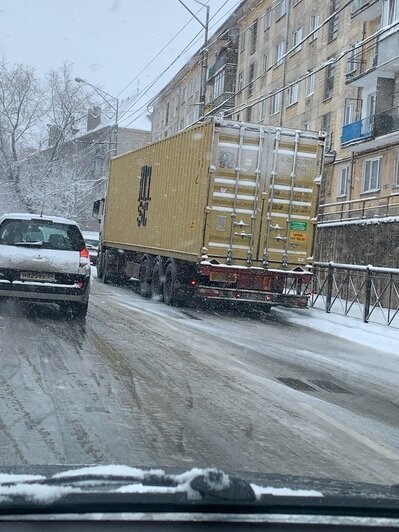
<point x="222" y="210"/>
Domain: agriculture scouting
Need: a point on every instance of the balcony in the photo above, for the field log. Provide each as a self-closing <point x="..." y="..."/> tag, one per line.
<point x="372" y="132"/>
<point x="227" y="58"/>
<point x="365" y="10"/>
<point x="357" y="131"/>
<point x="387" y="122"/>
<point x="227" y="97"/>
<point x="381" y="60"/>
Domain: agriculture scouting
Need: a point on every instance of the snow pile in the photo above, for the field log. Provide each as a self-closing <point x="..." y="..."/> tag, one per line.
<point x="36" y="492"/>
<point x="284" y="492"/>
<point x="110" y="470"/>
<point x="374" y="335"/>
<point x="34" y="487"/>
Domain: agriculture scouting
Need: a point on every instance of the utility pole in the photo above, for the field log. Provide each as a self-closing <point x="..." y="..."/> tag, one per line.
<point x="204" y="55"/>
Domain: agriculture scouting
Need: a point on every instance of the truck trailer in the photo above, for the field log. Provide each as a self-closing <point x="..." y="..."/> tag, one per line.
<point x="223" y="210"/>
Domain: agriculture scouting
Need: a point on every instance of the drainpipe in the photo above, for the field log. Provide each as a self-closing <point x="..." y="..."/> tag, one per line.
<point x="287" y="25"/>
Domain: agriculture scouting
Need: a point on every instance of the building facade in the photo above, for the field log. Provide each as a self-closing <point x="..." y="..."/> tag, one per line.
<point x="177" y="105"/>
<point x="74" y="175"/>
<point x="331" y="66"/>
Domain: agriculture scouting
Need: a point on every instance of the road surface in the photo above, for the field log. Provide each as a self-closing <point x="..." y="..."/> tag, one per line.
<point x="144" y="384"/>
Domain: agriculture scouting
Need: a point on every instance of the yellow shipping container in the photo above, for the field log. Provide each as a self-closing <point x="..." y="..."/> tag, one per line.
<point x="238" y="193"/>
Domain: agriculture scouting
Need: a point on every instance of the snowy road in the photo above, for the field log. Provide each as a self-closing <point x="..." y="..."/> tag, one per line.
<point x="144" y="384"/>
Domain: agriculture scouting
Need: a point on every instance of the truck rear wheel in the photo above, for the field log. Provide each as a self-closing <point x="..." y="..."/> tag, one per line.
<point x="145" y="276"/>
<point x="100" y="265"/>
<point x="106" y="276"/>
<point x="157" y="280"/>
<point x="169" y="284"/>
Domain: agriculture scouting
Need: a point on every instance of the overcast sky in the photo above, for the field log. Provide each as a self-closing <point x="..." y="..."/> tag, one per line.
<point x="108" y="42"/>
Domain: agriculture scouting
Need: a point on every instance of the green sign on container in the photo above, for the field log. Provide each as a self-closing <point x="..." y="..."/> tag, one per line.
<point x="299" y="226"/>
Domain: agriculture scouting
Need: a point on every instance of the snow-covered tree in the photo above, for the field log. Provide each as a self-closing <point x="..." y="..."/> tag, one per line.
<point x="36" y="120"/>
<point x="22" y="107"/>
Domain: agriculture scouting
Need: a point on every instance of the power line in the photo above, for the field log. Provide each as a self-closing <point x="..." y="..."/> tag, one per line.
<point x="284" y="56"/>
<point x="151" y="84"/>
<point x="331" y="61"/>
<point x="189" y="45"/>
<point x="158" y="53"/>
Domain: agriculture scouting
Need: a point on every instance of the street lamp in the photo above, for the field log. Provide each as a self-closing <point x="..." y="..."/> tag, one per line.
<point x="115" y="106"/>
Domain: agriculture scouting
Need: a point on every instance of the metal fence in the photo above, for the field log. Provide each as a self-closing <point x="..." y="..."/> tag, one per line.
<point x="359" y="209"/>
<point x="368" y="292"/>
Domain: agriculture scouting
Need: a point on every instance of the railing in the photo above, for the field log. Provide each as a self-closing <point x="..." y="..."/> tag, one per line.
<point x="366" y="292"/>
<point x="227" y="57"/>
<point x="361" y="129"/>
<point x="387" y="122"/>
<point x="225" y="97"/>
<point x="359" y="209"/>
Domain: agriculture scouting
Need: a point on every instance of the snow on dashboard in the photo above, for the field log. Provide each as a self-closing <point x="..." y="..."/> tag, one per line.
<point x="284" y="492"/>
<point x="12" y="485"/>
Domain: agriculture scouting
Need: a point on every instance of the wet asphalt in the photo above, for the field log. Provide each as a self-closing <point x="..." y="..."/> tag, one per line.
<point x="144" y="384"/>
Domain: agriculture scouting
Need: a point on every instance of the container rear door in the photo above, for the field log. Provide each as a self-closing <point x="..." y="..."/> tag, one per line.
<point x="233" y="220"/>
<point x="289" y="199"/>
<point x="263" y="196"/>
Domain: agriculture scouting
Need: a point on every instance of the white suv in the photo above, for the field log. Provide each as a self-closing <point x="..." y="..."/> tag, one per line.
<point x="44" y="258"/>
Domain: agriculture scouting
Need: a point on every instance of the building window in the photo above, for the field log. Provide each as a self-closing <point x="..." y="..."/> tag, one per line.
<point x="97" y="166"/>
<point x="280" y="51"/>
<point x="249" y="114"/>
<point x="310" y="84"/>
<point x="218" y="87"/>
<point x="251" y="77"/>
<point x="167" y="114"/>
<point x="297" y="38"/>
<point x="349" y="113"/>
<point x="265" y="63"/>
<point x="314" y="23"/>
<point x="293" y="94"/>
<point x="334" y="22"/>
<point x="280" y="9"/>
<point x="371" y="174"/>
<point x="262" y="111"/>
<point x="242" y="41"/>
<point x="267" y="18"/>
<point x="352" y="60"/>
<point x="326" y="122"/>
<point x="275" y="103"/>
<point x="254" y="36"/>
<point x="390" y="12"/>
<point x="329" y="80"/>
<point x="343" y="181"/>
<point x="240" y="81"/>
<point x="396" y="172"/>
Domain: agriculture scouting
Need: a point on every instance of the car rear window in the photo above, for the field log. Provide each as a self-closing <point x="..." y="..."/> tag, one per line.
<point x="45" y="233"/>
<point x="91" y="242"/>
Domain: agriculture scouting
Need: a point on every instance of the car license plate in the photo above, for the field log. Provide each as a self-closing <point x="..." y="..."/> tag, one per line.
<point x="223" y="277"/>
<point x="37" y="276"/>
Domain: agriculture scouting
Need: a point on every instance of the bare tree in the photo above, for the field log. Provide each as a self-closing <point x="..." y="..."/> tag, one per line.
<point x="22" y="107"/>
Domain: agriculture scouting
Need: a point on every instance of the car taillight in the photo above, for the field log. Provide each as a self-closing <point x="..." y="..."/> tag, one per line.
<point x="84" y="257"/>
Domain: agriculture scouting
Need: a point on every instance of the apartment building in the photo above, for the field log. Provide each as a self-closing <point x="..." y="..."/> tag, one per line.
<point x="177" y="105"/>
<point x="324" y="65"/>
<point x="370" y="132"/>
